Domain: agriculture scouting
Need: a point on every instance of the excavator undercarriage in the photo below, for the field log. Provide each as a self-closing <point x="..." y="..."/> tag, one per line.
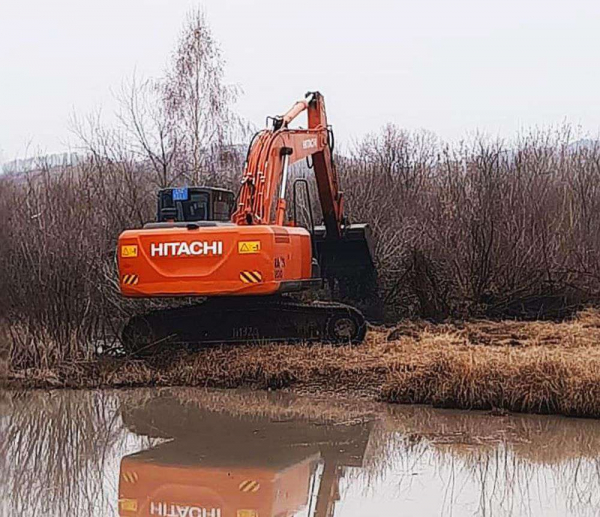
<point x="238" y="320"/>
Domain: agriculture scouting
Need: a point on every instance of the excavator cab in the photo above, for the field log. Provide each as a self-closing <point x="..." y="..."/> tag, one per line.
<point x="193" y="204"/>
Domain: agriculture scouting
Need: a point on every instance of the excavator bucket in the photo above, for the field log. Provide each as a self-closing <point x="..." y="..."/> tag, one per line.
<point x="349" y="260"/>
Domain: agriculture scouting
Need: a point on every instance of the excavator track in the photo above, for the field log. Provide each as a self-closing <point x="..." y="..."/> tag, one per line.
<point x="244" y="320"/>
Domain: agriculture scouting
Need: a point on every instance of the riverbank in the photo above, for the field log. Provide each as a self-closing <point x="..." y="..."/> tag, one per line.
<point x="535" y="367"/>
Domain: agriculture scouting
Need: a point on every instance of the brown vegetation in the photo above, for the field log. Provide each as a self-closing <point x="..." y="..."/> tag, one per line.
<point x="486" y="228"/>
<point x="480" y="230"/>
<point x="497" y="234"/>
<point x="535" y="367"/>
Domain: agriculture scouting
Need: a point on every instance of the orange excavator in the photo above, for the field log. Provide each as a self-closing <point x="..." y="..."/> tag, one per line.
<point x="244" y="256"/>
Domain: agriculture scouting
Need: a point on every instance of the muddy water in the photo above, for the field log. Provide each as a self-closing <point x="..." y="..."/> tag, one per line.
<point x="190" y="453"/>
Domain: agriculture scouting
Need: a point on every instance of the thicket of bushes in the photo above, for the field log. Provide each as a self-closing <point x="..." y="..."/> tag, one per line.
<point x="476" y="229"/>
<point x="483" y="230"/>
<point x="59" y="275"/>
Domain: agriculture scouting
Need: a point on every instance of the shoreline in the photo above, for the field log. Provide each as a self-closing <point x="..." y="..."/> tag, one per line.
<point x="522" y="367"/>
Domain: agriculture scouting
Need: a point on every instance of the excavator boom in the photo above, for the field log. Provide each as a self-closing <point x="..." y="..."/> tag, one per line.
<point x="274" y="151"/>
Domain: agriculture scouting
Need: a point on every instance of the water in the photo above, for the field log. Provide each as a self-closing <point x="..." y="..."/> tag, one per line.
<point x="194" y="453"/>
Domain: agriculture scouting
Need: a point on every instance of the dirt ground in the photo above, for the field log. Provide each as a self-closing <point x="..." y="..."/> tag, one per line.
<point x="536" y="367"/>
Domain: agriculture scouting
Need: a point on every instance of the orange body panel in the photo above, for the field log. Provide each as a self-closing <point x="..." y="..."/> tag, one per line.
<point x="154" y="490"/>
<point x="230" y="260"/>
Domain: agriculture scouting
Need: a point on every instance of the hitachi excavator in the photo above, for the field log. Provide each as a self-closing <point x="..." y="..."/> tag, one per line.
<point x="243" y="257"/>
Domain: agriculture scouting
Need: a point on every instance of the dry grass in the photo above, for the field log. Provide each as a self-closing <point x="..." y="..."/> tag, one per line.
<point x="537" y="367"/>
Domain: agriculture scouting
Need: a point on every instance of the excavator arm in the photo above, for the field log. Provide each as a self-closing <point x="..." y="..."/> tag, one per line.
<point x="273" y="151"/>
<point x="344" y="252"/>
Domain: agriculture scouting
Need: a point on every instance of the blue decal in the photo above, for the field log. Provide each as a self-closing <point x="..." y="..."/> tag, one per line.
<point x="180" y="194"/>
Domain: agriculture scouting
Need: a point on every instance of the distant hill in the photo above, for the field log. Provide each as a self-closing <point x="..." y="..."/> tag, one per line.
<point x="585" y="143"/>
<point x="38" y="162"/>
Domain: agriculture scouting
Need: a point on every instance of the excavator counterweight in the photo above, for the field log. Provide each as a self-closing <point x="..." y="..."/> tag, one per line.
<point x="244" y="257"/>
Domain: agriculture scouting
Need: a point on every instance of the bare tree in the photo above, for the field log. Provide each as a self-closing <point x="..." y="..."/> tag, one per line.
<point x="152" y="134"/>
<point x="180" y="124"/>
<point x="196" y="99"/>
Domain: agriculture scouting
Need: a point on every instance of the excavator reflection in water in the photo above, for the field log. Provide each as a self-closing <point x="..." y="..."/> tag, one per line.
<point x="214" y="464"/>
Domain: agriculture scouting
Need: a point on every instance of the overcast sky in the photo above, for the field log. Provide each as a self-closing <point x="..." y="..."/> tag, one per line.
<point x="451" y="66"/>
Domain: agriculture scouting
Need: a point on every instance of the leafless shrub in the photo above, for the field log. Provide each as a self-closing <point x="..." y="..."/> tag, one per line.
<point x="482" y="228"/>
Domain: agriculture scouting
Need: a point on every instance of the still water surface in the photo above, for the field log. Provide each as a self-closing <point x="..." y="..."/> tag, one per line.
<point x="196" y="453"/>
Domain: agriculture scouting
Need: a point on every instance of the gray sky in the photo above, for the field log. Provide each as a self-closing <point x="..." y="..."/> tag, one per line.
<point x="451" y="66"/>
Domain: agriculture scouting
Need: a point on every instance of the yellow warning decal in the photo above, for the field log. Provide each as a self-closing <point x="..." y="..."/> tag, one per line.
<point x="130" y="477"/>
<point x="128" y="505"/>
<point x="130" y="251"/>
<point x="247" y="513"/>
<point x="130" y="279"/>
<point x="251" y="277"/>
<point x="249" y="486"/>
<point x="248" y="247"/>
